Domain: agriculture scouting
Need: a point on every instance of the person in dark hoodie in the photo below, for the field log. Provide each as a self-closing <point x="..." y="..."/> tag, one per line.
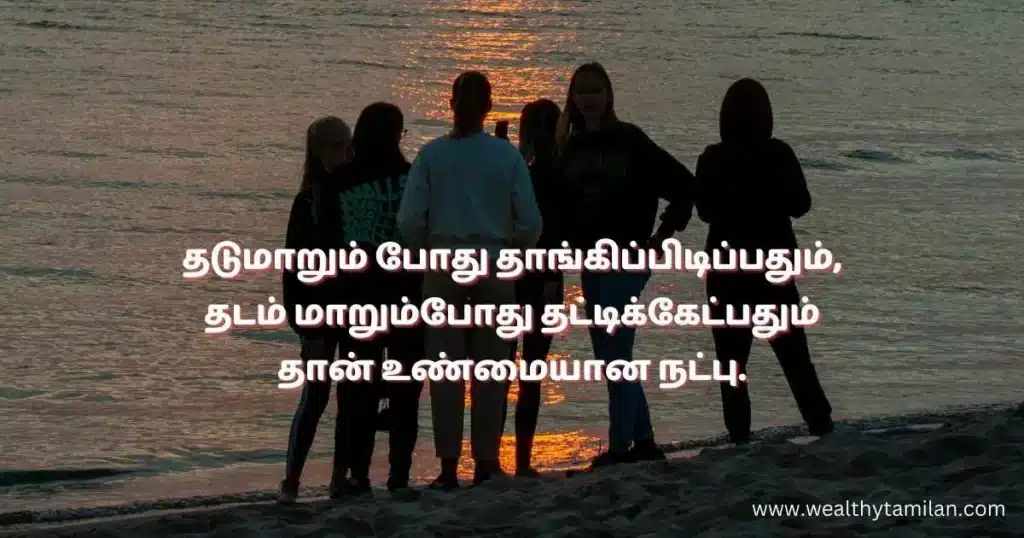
<point x="371" y="187"/>
<point x="538" y="123"/>
<point x="312" y="225"/>
<point x="749" y="187"/>
<point x="616" y="175"/>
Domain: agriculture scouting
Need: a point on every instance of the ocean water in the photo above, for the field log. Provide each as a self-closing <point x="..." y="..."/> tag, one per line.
<point x="134" y="130"/>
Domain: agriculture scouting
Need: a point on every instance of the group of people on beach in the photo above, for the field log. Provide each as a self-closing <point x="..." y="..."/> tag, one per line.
<point x="579" y="175"/>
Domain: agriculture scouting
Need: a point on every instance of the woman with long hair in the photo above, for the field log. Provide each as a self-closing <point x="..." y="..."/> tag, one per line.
<point x="616" y="174"/>
<point x="311" y="225"/>
<point x="749" y="188"/>
<point x="537" y="128"/>
<point x="370" y="190"/>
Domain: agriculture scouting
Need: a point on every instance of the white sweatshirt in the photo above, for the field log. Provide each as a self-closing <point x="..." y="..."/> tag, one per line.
<point x="474" y="192"/>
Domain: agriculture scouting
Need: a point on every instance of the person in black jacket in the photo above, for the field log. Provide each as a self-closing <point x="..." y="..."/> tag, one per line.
<point x="537" y="126"/>
<point x="311" y="225"/>
<point x="370" y="189"/>
<point x="749" y="187"/>
<point x="615" y="174"/>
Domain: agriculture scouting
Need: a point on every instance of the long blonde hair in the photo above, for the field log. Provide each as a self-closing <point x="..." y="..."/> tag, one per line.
<point x="571" y="120"/>
<point x="313" y="167"/>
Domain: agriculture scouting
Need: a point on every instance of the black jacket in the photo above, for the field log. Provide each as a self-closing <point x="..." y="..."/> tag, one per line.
<point x="315" y="222"/>
<point x="615" y="178"/>
<point x="370" y="192"/>
<point x="748" y="194"/>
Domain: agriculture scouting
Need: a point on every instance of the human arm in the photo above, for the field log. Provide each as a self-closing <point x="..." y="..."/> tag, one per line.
<point x="414" y="208"/>
<point x="673" y="182"/>
<point x="298" y="236"/>
<point x="796" y="195"/>
<point x="707" y="181"/>
<point x="527" y="223"/>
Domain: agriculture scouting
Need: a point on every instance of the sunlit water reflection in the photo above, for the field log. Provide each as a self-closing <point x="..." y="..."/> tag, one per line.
<point x="135" y="131"/>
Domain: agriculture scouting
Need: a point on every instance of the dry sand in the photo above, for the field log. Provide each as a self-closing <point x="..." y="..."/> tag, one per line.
<point x="973" y="458"/>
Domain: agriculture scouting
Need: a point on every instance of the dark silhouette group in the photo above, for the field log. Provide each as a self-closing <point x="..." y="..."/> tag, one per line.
<point x="579" y="175"/>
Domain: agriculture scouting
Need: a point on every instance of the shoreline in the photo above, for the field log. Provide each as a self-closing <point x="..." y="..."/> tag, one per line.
<point x="865" y="439"/>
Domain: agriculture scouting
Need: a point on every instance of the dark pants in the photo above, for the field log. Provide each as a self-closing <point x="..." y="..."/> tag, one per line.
<point x="536" y="345"/>
<point x="363" y="401"/>
<point x="629" y="416"/>
<point x="791" y="350"/>
<point x="405" y="345"/>
<point x="312" y="403"/>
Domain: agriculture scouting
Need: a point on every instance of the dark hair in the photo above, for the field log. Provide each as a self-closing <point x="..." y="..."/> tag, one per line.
<point x="471" y="100"/>
<point x="378" y="133"/>
<point x="572" y="119"/>
<point x="313" y="166"/>
<point x="746" y="115"/>
<point x="538" y="125"/>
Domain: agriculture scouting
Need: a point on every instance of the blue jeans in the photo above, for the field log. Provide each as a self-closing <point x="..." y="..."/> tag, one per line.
<point x="628" y="414"/>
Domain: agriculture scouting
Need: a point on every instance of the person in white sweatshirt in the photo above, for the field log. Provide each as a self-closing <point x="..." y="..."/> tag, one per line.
<point x="468" y="189"/>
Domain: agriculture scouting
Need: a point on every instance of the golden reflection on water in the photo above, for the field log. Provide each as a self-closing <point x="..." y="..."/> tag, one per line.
<point x="550" y="450"/>
<point x="573" y="294"/>
<point x="485" y="36"/>
<point x="551" y="392"/>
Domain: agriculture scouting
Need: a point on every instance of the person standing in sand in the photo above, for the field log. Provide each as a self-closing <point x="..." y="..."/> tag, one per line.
<point x="468" y="189"/>
<point x="749" y="188"/>
<point x="616" y="174"/>
<point x="537" y="126"/>
<point x="371" y="188"/>
<point x="313" y="224"/>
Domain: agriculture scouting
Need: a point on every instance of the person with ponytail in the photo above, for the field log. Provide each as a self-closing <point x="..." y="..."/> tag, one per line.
<point x="314" y="223"/>
<point x="468" y="189"/>
<point x="749" y="188"/>
<point x="616" y="175"/>
<point x="537" y="128"/>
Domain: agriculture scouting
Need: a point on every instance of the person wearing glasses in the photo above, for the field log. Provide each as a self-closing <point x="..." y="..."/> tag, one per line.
<point x="371" y="187"/>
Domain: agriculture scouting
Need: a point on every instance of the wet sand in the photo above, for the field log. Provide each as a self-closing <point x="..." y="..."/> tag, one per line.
<point x="966" y="458"/>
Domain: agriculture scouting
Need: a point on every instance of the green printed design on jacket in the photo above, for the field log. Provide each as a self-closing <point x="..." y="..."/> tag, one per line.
<point x="370" y="210"/>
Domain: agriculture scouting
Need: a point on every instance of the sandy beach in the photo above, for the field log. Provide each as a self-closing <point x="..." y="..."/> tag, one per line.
<point x="966" y="458"/>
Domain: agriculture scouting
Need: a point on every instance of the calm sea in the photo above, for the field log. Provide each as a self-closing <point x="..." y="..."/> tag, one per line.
<point x="134" y="130"/>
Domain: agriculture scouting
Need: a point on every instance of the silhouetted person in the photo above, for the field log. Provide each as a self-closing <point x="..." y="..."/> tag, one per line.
<point x="468" y="189"/>
<point x="750" y="186"/>
<point x="371" y="188"/>
<point x="315" y="223"/>
<point x="615" y="175"/>
<point x="538" y="123"/>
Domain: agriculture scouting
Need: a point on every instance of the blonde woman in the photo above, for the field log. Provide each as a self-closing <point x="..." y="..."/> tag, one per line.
<point x="617" y="175"/>
<point x="315" y="223"/>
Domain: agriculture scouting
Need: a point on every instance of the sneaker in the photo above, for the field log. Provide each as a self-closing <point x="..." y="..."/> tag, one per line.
<point x="338" y="486"/>
<point x="527" y="472"/>
<point x="739" y="438"/>
<point x="444" y="483"/>
<point x="823" y="429"/>
<point x="349" y="487"/>
<point x="481" y="476"/>
<point x="356" y="487"/>
<point x="646" y="452"/>
<point x="288" y="493"/>
<point x="406" y="494"/>
<point x="398" y="482"/>
<point x="606" y="459"/>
